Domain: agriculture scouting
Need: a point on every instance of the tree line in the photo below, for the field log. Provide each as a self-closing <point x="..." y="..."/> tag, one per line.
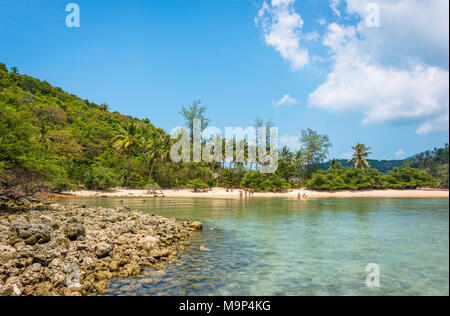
<point x="53" y="140"/>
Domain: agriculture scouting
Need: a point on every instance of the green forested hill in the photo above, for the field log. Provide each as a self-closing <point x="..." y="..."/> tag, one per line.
<point x="435" y="162"/>
<point x="383" y="166"/>
<point x="52" y="137"/>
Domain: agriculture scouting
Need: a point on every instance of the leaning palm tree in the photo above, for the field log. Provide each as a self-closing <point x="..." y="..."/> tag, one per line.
<point x="360" y="155"/>
<point x="335" y="164"/>
<point x="128" y="139"/>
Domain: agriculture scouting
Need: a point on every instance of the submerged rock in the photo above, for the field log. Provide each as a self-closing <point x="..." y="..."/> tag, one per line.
<point x="196" y="225"/>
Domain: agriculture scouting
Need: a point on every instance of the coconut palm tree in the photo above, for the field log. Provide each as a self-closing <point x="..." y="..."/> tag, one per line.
<point x="152" y="152"/>
<point x="335" y="164"/>
<point x="128" y="140"/>
<point x="360" y="155"/>
<point x="286" y="154"/>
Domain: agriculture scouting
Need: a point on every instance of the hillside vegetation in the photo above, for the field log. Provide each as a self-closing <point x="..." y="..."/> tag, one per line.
<point x="53" y="140"/>
<point x="433" y="162"/>
<point x="50" y="139"/>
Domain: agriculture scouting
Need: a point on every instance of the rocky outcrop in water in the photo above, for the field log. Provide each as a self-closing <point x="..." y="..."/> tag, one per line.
<point x="70" y="250"/>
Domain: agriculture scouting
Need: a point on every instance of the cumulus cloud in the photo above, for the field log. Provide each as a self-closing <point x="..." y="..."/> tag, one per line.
<point x="286" y="100"/>
<point x="291" y="141"/>
<point x="400" y="154"/>
<point x="397" y="72"/>
<point x="282" y="27"/>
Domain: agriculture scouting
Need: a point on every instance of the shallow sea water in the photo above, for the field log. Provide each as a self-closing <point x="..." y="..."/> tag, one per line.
<point x="289" y="247"/>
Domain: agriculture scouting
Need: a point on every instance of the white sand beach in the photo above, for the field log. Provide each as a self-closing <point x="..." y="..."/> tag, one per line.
<point x="237" y="193"/>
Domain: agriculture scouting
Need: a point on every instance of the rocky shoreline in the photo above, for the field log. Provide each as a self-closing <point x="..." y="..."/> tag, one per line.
<point x="57" y="250"/>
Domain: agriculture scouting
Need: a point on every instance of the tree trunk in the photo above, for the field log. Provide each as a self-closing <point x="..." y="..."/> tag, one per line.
<point x="151" y="172"/>
<point x="129" y="165"/>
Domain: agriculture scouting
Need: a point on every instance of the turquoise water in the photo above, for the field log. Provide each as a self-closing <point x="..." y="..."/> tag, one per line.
<point x="287" y="247"/>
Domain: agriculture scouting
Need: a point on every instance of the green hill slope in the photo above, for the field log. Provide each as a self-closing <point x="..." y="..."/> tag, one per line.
<point x="383" y="166"/>
<point x="50" y="138"/>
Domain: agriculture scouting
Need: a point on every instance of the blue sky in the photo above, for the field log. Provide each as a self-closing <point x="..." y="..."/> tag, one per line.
<point x="386" y="87"/>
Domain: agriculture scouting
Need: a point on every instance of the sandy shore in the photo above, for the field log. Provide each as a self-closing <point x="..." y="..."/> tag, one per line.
<point x="222" y="193"/>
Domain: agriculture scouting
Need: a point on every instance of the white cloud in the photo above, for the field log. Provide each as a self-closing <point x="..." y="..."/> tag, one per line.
<point x="291" y="141"/>
<point x="398" y="72"/>
<point x="281" y="27"/>
<point x="322" y="22"/>
<point x="286" y="100"/>
<point x="346" y="155"/>
<point x="400" y="153"/>
<point x="334" y="7"/>
<point x="312" y="36"/>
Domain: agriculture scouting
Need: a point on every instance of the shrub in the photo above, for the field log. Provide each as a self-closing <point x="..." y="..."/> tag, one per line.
<point x="197" y="184"/>
<point x="410" y="178"/>
<point x="2" y="168"/>
<point x="263" y="182"/>
<point x="152" y="186"/>
<point x="60" y="184"/>
<point x="360" y="179"/>
<point x="101" y="178"/>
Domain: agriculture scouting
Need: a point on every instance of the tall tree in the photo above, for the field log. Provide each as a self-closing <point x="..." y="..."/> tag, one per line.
<point x="360" y="155"/>
<point x="193" y="112"/>
<point x="286" y="154"/>
<point x="335" y="164"/>
<point x="152" y="152"/>
<point x="128" y="139"/>
<point x="315" y="148"/>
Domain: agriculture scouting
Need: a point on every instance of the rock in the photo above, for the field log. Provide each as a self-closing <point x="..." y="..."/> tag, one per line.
<point x="74" y="231"/>
<point x="148" y="243"/>
<point x="13" y="287"/>
<point x="57" y="264"/>
<point x="103" y="249"/>
<point x="16" y="290"/>
<point x="88" y="263"/>
<point x="45" y="256"/>
<point x="114" y="266"/>
<point x="196" y="225"/>
<point x="58" y="278"/>
<point x="32" y="274"/>
<point x="39" y="242"/>
<point x="103" y="275"/>
<point x="32" y="233"/>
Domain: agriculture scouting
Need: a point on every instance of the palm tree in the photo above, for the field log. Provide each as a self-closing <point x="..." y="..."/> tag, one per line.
<point x="152" y="153"/>
<point x="286" y="154"/>
<point x="128" y="139"/>
<point x="360" y="155"/>
<point x="335" y="164"/>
